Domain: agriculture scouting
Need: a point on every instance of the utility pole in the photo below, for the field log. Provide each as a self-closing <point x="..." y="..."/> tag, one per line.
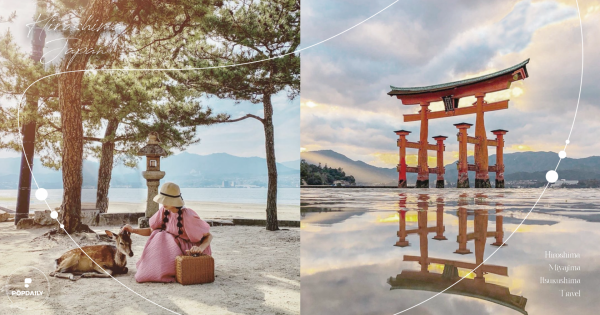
<point x="28" y="130"/>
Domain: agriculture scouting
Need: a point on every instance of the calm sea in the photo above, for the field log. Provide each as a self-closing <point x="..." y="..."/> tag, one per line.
<point x="382" y="251"/>
<point x="287" y="196"/>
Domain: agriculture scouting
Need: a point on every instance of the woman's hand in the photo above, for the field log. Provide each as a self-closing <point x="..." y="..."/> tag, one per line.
<point x="196" y="249"/>
<point x="127" y="228"/>
<point x="142" y="232"/>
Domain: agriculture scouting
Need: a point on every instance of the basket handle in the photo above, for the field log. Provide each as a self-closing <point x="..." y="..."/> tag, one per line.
<point x="187" y="253"/>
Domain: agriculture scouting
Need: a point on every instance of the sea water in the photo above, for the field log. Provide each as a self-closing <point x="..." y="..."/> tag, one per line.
<point x="286" y="196"/>
<point x="358" y="258"/>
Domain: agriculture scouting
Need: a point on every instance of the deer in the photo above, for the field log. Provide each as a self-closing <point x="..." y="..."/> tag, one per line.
<point x="109" y="260"/>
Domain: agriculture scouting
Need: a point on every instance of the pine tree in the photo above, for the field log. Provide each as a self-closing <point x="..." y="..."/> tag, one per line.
<point x="122" y="22"/>
<point x="265" y="34"/>
<point x="130" y="105"/>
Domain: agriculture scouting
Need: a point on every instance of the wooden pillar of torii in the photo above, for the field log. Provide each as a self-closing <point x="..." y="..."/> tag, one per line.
<point x="499" y="157"/>
<point x="422" y="168"/>
<point x="481" y="166"/>
<point x="402" y="143"/>
<point x="423" y="174"/>
<point x="440" y="161"/>
<point x="482" y="178"/>
<point x="462" y="165"/>
<point x="450" y="94"/>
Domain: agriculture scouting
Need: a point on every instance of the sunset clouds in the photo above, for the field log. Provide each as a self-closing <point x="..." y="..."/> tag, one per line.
<point x="418" y="43"/>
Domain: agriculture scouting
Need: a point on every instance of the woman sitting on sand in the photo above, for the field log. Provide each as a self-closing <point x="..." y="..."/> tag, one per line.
<point x="173" y="230"/>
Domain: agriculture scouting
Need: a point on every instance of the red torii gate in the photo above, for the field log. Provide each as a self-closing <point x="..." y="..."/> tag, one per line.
<point x="450" y="94"/>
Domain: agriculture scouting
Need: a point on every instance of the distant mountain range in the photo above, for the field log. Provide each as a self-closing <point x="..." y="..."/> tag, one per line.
<point x="519" y="166"/>
<point x="295" y="165"/>
<point x="364" y="174"/>
<point x="186" y="169"/>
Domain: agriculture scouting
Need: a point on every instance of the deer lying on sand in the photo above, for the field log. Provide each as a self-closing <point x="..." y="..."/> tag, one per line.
<point x="74" y="264"/>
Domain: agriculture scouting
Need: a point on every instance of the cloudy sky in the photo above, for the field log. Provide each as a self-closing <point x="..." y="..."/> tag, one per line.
<point x="245" y="138"/>
<point x="345" y="107"/>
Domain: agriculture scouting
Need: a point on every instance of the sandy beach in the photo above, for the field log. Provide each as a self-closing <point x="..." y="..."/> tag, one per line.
<point x="257" y="272"/>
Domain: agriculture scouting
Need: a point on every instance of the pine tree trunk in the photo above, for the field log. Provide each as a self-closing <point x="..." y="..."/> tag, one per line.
<point x="272" y="223"/>
<point x="69" y="92"/>
<point x="106" y="166"/>
<point x="69" y="87"/>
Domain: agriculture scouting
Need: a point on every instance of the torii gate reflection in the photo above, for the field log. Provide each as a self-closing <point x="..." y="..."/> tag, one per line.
<point x="424" y="280"/>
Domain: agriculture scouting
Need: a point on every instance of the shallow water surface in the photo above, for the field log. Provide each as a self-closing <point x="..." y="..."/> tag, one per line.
<point x="287" y="196"/>
<point x="381" y="251"/>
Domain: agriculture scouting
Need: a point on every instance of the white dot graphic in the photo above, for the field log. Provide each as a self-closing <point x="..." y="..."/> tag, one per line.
<point x="54" y="214"/>
<point x="62" y="226"/>
<point x="552" y="176"/>
<point x="562" y="154"/>
<point x="567" y="142"/>
<point x="41" y="194"/>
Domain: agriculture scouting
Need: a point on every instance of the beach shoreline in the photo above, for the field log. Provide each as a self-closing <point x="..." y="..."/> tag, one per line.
<point x="205" y="209"/>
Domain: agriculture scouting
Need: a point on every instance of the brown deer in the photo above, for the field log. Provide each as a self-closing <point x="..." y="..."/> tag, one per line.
<point x="74" y="264"/>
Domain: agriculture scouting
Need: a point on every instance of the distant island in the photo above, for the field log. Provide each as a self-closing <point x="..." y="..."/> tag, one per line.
<point x="316" y="175"/>
<point x="523" y="170"/>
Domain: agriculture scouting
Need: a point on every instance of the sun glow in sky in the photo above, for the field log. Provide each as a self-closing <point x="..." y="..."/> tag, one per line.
<point x="393" y="159"/>
<point x="520" y="147"/>
<point x="517" y="91"/>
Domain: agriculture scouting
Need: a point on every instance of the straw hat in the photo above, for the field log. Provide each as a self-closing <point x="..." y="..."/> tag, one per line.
<point x="169" y="195"/>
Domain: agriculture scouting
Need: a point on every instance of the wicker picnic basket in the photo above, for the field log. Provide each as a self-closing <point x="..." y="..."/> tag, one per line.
<point x="195" y="269"/>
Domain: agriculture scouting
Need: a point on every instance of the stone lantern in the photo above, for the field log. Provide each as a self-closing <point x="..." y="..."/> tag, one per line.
<point x="153" y="151"/>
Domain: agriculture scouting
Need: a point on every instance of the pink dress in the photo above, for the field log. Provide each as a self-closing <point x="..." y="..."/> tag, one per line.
<point x="157" y="263"/>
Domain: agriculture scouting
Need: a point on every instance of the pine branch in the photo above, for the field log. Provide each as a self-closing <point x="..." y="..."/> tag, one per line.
<point x="242" y="118"/>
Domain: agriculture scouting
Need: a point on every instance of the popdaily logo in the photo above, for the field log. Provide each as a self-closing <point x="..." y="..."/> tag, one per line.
<point x="27" y="288"/>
